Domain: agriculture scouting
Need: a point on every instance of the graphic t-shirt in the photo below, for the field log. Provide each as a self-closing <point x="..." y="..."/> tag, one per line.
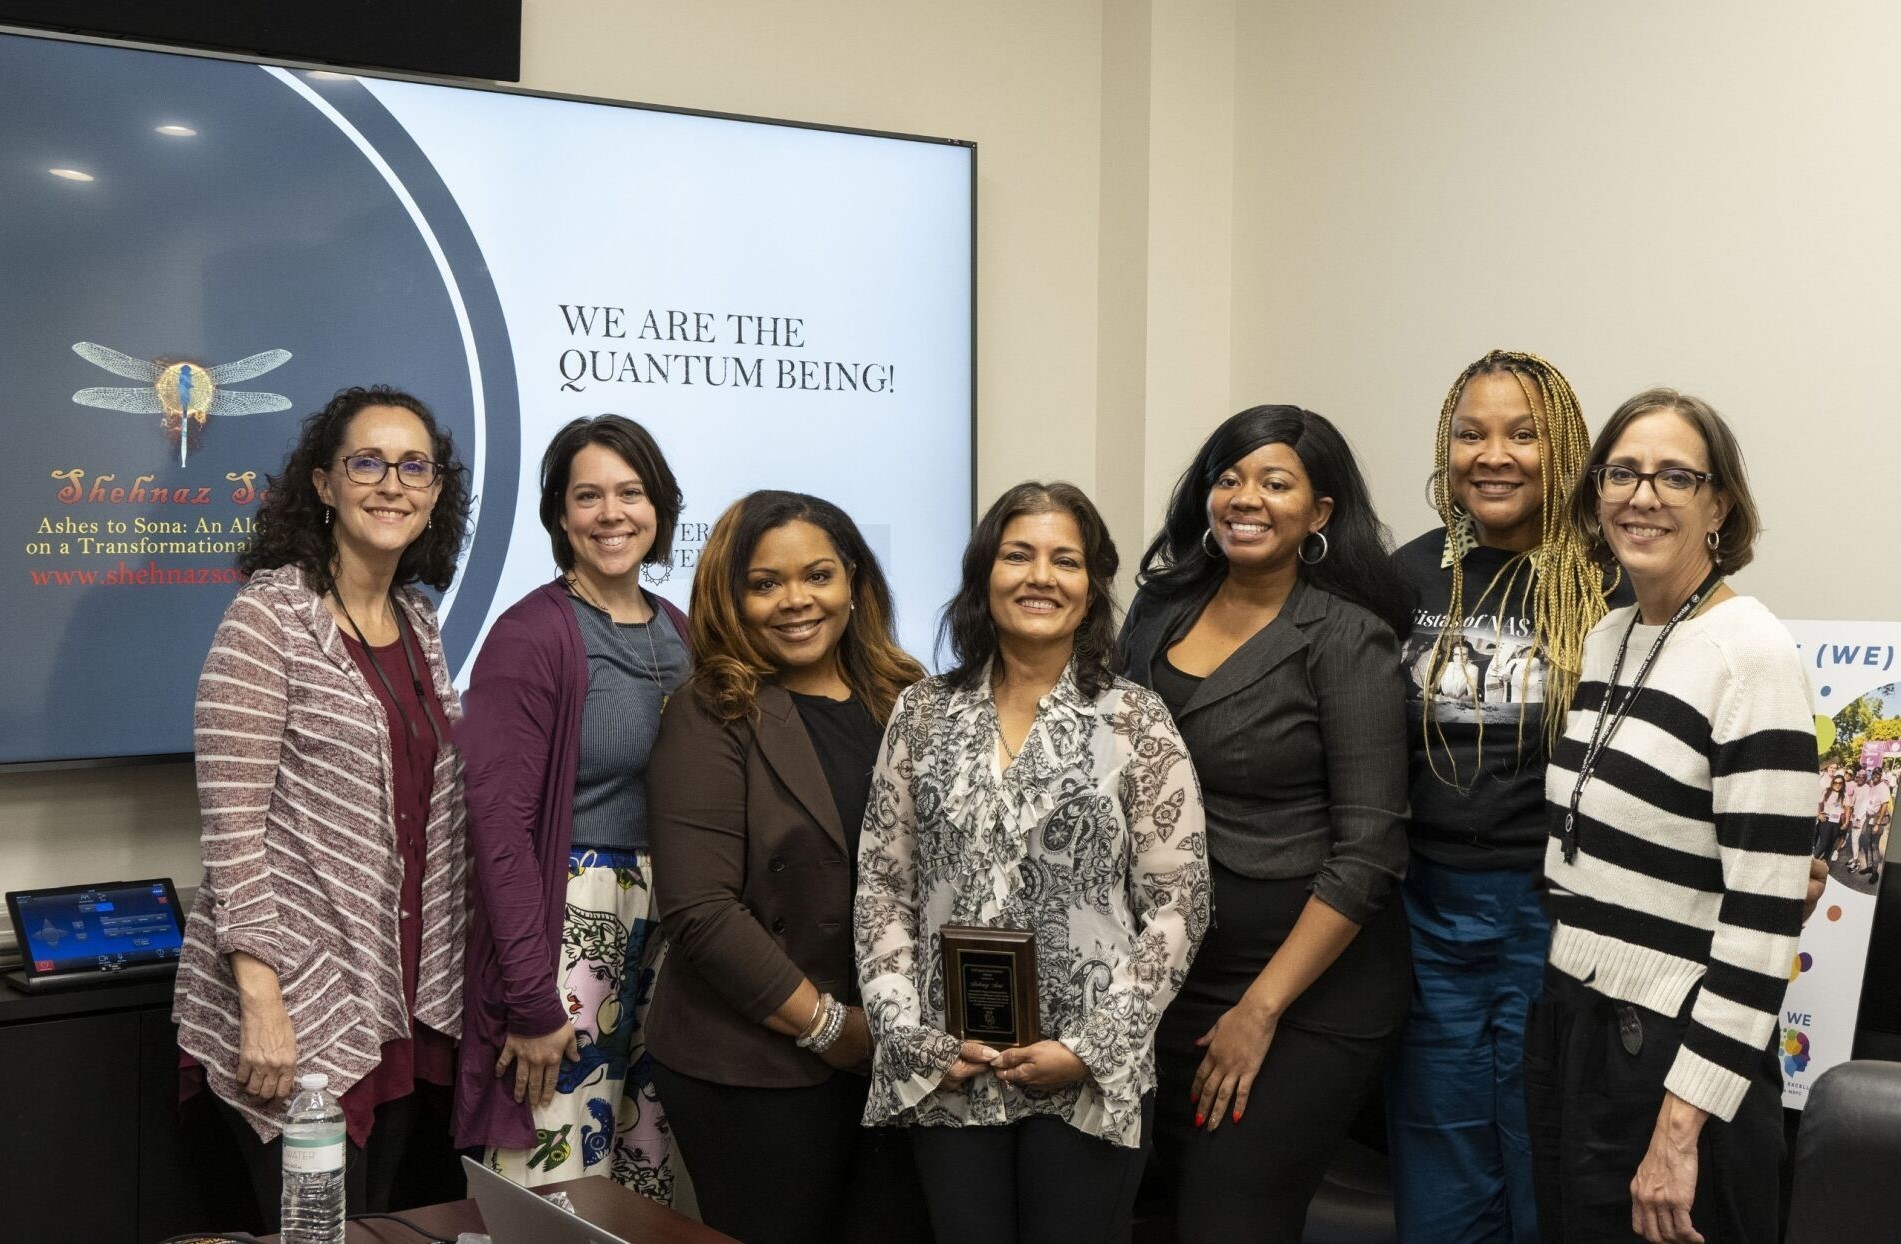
<point x="1484" y="807"/>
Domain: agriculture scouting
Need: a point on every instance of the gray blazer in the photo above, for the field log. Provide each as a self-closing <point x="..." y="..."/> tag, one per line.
<point x="1299" y="739"/>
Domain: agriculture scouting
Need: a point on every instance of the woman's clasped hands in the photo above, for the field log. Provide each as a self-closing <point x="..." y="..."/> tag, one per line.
<point x="1038" y="1067"/>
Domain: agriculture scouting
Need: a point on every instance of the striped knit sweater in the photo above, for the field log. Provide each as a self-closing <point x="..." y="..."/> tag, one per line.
<point x="295" y="789"/>
<point x="1693" y="836"/>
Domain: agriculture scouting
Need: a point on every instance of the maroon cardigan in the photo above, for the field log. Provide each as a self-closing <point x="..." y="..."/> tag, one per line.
<point x="520" y="736"/>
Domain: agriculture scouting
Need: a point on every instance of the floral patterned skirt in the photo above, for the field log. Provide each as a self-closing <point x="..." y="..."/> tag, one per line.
<point x="605" y="1118"/>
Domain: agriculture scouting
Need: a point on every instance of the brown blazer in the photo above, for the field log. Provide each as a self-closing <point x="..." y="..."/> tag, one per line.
<point x="752" y="886"/>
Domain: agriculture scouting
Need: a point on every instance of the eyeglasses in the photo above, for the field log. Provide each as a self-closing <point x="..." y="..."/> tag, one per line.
<point x="1673" y="485"/>
<point x="370" y="469"/>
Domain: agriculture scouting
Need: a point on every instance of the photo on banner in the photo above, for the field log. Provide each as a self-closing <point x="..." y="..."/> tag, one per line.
<point x="1855" y="674"/>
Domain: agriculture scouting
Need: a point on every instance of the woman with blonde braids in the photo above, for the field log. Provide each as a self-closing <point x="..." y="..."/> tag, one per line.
<point x="1505" y="593"/>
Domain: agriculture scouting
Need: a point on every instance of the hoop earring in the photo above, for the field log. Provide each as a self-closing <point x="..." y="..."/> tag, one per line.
<point x="1715" y="542"/>
<point x="1324" y="549"/>
<point x="1210" y="545"/>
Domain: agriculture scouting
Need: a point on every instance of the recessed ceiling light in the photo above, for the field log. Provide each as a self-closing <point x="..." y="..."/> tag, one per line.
<point x="331" y="75"/>
<point x="178" y="131"/>
<point x="70" y="174"/>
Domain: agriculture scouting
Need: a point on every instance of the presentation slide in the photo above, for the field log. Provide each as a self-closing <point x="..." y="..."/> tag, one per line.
<point x="198" y="252"/>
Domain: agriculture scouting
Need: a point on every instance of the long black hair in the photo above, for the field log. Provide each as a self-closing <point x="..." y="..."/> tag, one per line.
<point x="291" y="530"/>
<point x="1358" y="565"/>
<point x="971" y="633"/>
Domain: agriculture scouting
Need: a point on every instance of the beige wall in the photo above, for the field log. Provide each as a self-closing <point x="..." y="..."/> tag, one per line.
<point x="1698" y="194"/>
<point x="1190" y="205"/>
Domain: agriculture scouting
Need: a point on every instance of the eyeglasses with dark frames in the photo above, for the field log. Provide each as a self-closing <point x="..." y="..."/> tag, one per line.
<point x="1673" y="485"/>
<point x="370" y="469"/>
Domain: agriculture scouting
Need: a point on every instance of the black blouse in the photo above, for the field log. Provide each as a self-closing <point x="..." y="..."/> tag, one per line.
<point x="846" y="737"/>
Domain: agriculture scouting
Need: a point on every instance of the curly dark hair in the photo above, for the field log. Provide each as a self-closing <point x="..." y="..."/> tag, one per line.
<point x="1357" y="566"/>
<point x="971" y="632"/>
<point x="290" y="524"/>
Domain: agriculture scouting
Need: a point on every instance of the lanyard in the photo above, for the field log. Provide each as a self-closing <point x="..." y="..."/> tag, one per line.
<point x="409" y="659"/>
<point x="1607" y="723"/>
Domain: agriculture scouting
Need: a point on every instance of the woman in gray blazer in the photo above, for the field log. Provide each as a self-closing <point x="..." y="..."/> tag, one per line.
<point x="1267" y="618"/>
<point x="757" y="788"/>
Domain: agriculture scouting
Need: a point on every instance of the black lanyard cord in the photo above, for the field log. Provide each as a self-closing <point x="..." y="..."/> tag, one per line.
<point x="403" y="636"/>
<point x="1605" y="728"/>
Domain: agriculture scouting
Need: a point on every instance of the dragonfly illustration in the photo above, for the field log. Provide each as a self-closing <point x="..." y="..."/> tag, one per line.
<point x="185" y="393"/>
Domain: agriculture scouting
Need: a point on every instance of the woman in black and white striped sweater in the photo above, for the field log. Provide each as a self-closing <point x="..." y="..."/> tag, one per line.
<point x="1681" y="801"/>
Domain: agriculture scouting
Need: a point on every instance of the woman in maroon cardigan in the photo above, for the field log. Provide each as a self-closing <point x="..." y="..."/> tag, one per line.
<point x="561" y="713"/>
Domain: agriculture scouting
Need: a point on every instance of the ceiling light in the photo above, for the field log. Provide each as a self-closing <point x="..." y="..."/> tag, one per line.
<point x="70" y="174"/>
<point x="178" y="131"/>
<point x="331" y="75"/>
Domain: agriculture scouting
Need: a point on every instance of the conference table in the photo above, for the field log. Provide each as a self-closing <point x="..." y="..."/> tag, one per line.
<point x="601" y="1201"/>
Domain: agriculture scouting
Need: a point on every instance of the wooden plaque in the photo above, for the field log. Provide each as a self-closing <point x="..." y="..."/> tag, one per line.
<point x="990" y="985"/>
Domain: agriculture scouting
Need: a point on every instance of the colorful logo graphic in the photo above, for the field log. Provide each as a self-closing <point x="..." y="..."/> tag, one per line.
<point x="1795" y="1051"/>
<point x="185" y="393"/>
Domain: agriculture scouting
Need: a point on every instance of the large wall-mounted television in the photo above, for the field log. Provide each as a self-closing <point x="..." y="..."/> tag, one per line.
<point x="196" y="251"/>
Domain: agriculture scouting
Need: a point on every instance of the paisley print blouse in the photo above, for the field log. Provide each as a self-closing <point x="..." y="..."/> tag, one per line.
<point x="1092" y="838"/>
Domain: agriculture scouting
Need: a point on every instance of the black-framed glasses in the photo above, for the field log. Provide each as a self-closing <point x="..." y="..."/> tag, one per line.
<point x="1673" y="485"/>
<point x="370" y="469"/>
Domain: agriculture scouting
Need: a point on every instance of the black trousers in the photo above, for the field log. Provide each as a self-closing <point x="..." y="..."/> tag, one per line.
<point x="369" y="1177"/>
<point x="1252" y="1181"/>
<point x="1593" y="1105"/>
<point x="1037" y="1181"/>
<point x="789" y="1165"/>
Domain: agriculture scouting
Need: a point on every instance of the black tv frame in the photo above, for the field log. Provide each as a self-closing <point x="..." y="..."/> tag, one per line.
<point x="450" y="38"/>
<point x="100" y="762"/>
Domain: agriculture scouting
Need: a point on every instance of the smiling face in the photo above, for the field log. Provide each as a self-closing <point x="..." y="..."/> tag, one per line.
<point x="797" y="600"/>
<point x="1039" y="582"/>
<point x="1262" y="507"/>
<point x="1664" y="548"/>
<point x="607" y="516"/>
<point x="1493" y="462"/>
<point x="374" y="523"/>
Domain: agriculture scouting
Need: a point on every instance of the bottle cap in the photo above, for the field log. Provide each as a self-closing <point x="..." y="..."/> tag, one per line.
<point x="313" y="1081"/>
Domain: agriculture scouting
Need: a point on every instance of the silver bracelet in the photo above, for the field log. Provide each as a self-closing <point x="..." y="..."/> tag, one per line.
<point x="834" y="1027"/>
<point x="828" y="1028"/>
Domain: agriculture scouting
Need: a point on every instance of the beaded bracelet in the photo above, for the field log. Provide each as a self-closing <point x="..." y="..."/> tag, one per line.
<point x="827" y="1028"/>
<point x="834" y="1026"/>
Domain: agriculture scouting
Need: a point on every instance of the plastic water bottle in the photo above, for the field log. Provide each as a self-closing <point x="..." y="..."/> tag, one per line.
<point x="313" y="1165"/>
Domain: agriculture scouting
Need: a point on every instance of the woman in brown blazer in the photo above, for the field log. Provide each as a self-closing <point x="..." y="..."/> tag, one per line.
<point x="758" y="783"/>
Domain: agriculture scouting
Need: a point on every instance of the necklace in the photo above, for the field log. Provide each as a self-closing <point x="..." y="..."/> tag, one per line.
<point x="1607" y="723"/>
<point x="652" y="669"/>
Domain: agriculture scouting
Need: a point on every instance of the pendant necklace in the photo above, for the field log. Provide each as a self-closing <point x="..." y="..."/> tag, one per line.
<point x="651" y="670"/>
<point x="1607" y="722"/>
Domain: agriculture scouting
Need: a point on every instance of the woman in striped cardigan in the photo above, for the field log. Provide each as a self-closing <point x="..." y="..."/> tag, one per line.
<point x="1681" y="804"/>
<point x="329" y="929"/>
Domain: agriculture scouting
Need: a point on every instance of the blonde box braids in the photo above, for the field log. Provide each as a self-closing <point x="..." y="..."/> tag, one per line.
<point x="1565" y="587"/>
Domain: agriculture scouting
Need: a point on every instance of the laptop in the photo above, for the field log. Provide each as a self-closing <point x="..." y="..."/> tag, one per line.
<point x="78" y="935"/>
<point x="515" y="1215"/>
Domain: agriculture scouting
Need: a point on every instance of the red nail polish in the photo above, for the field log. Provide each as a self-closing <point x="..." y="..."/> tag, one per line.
<point x="1200" y="1118"/>
<point x="1236" y="1116"/>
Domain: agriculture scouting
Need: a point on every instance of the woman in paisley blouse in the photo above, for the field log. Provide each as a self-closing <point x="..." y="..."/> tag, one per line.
<point x="1029" y="788"/>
